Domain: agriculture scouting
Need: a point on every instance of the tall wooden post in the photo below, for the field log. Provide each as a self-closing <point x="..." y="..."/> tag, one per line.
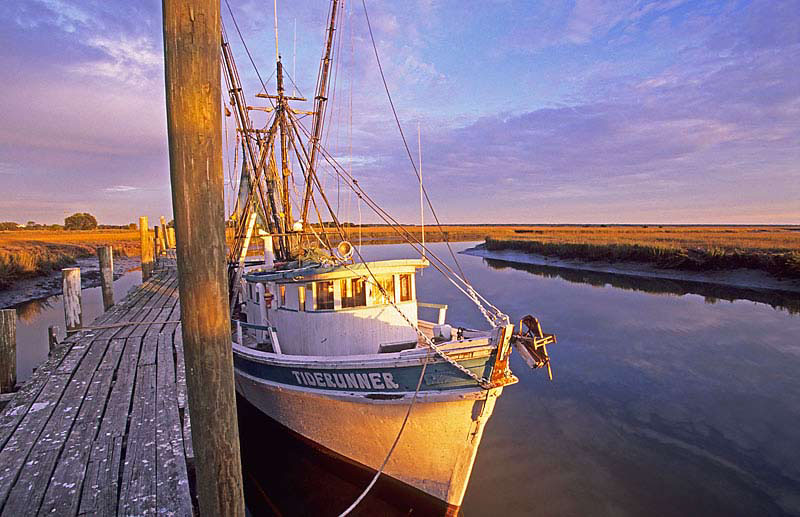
<point x="147" y="248"/>
<point x="171" y="238"/>
<point x="71" y="288"/>
<point x="192" y="69"/>
<point x="105" y="256"/>
<point x="8" y="350"/>
<point x="159" y="247"/>
<point x="156" y="243"/>
<point x="162" y="234"/>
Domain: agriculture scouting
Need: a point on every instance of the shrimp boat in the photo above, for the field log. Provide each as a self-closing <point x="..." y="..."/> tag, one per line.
<point x="331" y="346"/>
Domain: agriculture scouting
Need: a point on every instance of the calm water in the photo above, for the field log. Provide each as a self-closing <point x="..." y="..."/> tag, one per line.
<point x="661" y="404"/>
<point x="664" y="402"/>
<point x="34" y="317"/>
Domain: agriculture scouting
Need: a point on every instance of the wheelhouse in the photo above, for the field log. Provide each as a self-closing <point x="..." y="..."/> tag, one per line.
<point x="338" y="310"/>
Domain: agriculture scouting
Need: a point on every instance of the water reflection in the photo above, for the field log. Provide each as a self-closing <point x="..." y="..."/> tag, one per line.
<point x="713" y="293"/>
<point x="28" y="312"/>
<point x="665" y="405"/>
<point x="287" y="475"/>
<point x="35" y="316"/>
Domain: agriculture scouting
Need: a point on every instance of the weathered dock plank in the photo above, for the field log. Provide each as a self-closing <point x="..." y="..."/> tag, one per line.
<point x="99" y="429"/>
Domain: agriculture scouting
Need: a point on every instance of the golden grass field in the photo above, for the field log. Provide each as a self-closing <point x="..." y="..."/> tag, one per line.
<point x="30" y="253"/>
<point x="775" y="249"/>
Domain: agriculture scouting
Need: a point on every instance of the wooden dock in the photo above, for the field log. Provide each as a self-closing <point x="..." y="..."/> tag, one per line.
<point x="102" y="427"/>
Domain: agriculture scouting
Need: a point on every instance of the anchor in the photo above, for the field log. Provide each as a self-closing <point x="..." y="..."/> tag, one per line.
<point x="532" y="343"/>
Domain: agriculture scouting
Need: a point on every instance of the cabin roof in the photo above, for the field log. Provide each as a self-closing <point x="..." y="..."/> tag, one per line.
<point x="323" y="272"/>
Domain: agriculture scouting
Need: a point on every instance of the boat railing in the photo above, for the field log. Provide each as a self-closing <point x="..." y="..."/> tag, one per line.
<point x="442" y="310"/>
<point x="268" y="333"/>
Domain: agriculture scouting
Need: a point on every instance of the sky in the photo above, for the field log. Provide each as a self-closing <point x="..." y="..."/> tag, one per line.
<point x="585" y="111"/>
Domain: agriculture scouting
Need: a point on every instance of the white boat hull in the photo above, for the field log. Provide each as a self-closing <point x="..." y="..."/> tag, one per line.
<point x="435" y="453"/>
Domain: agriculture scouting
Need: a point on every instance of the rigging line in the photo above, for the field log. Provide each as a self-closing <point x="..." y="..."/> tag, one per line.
<point x="313" y="200"/>
<point x="361" y="193"/>
<point x="394" y="445"/>
<point x="336" y="109"/>
<point x="227" y="153"/>
<point x="247" y="50"/>
<point x="294" y="85"/>
<point x="311" y="175"/>
<point x="337" y="44"/>
<point x="405" y="143"/>
<point x="400" y="230"/>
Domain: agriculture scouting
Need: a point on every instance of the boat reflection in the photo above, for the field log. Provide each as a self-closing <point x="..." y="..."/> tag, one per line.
<point x="286" y="475"/>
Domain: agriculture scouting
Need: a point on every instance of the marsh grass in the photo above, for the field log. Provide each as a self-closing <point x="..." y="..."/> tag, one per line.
<point x="775" y="249"/>
<point x="27" y="254"/>
<point x="773" y="252"/>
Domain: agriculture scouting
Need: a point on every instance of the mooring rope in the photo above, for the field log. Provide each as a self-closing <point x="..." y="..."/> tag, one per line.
<point x="394" y="444"/>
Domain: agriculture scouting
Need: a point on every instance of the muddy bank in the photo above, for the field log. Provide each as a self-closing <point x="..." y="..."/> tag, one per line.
<point x="741" y="278"/>
<point x="28" y="289"/>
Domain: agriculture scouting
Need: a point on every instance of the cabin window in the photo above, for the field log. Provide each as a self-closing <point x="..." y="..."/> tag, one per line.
<point x="250" y="291"/>
<point x="257" y="297"/>
<point x="301" y="298"/>
<point x="405" y="288"/>
<point x="283" y="296"/>
<point x="324" y="295"/>
<point x="386" y="286"/>
<point x="354" y="293"/>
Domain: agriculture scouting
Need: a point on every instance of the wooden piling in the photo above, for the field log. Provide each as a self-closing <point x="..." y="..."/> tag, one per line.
<point x="71" y="289"/>
<point x="162" y="233"/>
<point x="105" y="256"/>
<point x="192" y="70"/>
<point x="147" y="249"/>
<point x="156" y="242"/>
<point x="8" y="350"/>
<point x="171" y="238"/>
<point x="52" y="338"/>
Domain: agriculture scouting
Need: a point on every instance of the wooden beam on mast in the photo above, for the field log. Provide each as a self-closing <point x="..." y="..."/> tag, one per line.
<point x="285" y="97"/>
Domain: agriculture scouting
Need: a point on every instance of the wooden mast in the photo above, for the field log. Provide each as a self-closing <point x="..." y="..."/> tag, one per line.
<point x="280" y="109"/>
<point x="319" y="111"/>
<point x="256" y="158"/>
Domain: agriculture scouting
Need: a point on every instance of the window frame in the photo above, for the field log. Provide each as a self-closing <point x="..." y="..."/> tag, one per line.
<point x="330" y="304"/>
<point x="406" y="276"/>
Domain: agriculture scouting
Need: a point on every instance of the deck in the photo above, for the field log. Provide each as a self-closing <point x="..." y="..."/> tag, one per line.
<point x="102" y="427"/>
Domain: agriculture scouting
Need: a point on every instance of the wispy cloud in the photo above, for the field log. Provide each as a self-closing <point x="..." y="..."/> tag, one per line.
<point x="121" y="188"/>
<point x="133" y="60"/>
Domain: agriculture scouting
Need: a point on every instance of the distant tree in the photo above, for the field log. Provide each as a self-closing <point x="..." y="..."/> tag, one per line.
<point x="80" y="221"/>
<point x="31" y="224"/>
<point x="8" y="225"/>
<point x="133" y="226"/>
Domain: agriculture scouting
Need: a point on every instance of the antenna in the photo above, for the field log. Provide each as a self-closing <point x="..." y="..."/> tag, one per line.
<point x="421" y="206"/>
<point x="277" y="54"/>
<point x="294" y="59"/>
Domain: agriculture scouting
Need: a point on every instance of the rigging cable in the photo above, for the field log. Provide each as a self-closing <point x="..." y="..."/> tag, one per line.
<point x="405" y="143"/>
<point x="468" y="290"/>
<point x="247" y="50"/>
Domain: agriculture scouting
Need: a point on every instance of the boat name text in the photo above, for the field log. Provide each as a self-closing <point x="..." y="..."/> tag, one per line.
<point x="366" y="381"/>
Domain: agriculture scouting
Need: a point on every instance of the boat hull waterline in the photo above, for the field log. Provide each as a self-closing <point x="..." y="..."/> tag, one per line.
<point x="437" y="449"/>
